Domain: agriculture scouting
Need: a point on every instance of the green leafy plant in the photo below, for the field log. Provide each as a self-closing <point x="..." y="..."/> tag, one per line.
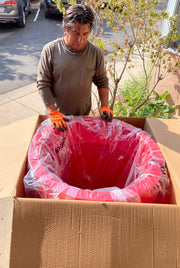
<point x="155" y="106"/>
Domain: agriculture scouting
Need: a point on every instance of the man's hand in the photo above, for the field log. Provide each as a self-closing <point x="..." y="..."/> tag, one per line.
<point x="58" y="120"/>
<point x="106" y="113"/>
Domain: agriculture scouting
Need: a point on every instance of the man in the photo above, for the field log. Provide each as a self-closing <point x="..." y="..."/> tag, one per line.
<point x="67" y="68"/>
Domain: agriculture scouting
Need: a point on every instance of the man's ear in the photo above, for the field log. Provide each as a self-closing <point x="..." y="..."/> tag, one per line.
<point x="65" y="31"/>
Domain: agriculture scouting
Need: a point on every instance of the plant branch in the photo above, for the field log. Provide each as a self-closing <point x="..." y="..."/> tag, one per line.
<point x="117" y="80"/>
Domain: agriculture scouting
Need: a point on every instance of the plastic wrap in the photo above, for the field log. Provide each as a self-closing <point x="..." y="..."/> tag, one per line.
<point x="96" y="160"/>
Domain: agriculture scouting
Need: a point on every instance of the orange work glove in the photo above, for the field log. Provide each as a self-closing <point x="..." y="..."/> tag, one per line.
<point x="106" y="113"/>
<point x="58" y="120"/>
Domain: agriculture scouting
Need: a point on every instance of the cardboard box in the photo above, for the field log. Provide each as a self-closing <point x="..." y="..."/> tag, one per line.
<point x="63" y="233"/>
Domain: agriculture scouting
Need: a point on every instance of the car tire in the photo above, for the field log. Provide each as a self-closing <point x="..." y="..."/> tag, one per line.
<point x="22" y="21"/>
<point x="46" y="14"/>
<point x="30" y="7"/>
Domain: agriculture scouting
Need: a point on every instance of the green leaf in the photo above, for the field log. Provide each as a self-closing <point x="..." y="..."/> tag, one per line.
<point x="164" y="95"/>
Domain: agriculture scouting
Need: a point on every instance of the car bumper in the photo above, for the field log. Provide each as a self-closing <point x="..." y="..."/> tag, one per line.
<point x="52" y="10"/>
<point x="11" y="16"/>
<point x="6" y="19"/>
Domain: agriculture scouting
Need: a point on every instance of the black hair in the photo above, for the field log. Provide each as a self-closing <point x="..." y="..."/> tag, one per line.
<point x="78" y="13"/>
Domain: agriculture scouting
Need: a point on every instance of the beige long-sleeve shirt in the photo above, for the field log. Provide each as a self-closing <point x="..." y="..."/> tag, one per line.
<point x="65" y="77"/>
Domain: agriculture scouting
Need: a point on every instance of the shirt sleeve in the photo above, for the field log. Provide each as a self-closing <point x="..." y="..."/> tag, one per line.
<point x="45" y="76"/>
<point x="100" y="78"/>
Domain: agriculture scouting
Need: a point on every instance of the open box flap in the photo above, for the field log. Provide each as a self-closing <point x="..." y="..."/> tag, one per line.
<point x="167" y="134"/>
<point x="14" y="143"/>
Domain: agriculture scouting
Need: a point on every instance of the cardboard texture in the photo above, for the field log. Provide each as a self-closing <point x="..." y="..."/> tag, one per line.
<point x="64" y="233"/>
<point x="167" y="134"/>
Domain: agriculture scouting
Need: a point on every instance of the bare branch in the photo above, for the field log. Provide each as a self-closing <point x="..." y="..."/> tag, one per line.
<point x="117" y="80"/>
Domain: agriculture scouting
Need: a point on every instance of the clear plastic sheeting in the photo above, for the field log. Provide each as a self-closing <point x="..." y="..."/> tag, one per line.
<point x="96" y="160"/>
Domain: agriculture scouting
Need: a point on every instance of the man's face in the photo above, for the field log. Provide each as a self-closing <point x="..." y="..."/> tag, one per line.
<point x="76" y="37"/>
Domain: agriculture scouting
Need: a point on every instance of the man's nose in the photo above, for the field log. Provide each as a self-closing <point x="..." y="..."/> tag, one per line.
<point x="79" y="38"/>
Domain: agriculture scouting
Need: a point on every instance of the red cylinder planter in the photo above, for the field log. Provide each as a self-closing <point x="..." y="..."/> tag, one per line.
<point x="96" y="160"/>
